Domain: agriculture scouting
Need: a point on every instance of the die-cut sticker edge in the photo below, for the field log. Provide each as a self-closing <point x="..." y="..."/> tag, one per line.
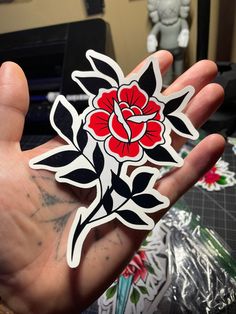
<point x="128" y="122"/>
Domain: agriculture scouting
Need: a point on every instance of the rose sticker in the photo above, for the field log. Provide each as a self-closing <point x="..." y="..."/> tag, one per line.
<point x="128" y="122"/>
<point x="218" y="177"/>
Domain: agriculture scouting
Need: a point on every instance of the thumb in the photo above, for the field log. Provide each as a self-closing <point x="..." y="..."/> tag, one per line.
<point x="14" y="99"/>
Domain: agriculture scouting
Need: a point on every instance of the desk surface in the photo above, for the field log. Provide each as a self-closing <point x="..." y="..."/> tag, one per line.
<point x="217" y="209"/>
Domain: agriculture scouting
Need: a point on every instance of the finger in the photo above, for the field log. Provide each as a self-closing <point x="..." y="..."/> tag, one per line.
<point x="164" y="58"/>
<point x="207" y="99"/>
<point x="196" y="164"/>
<point x="14" y="101"/>
<point x="199" y="75"/>
<point x="201" y="107"/>
<point x="205" y="103"/>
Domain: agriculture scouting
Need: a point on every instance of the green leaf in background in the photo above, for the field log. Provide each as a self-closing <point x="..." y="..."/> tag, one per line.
<point x="222" y="181"/>
<point x="111" y="291"/>
<point x="150" y="269"/>
<point x="135" y="296"/>
<point x="143" y="289"/>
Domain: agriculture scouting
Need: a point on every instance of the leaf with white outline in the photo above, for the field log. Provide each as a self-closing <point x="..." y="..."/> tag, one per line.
<point x="120" y="186"/>
<point x="162" y="155"/>
<point x="98" y="160"/>
<point x="63" y="119"/>
<point x="105" y="68"/>
<point x="146" y="200"/>
<point x="176" y="119"/>
<point x="108" y="201"/>
<point x="132" y="218"/>
<point x="174" y="103"/>
<point x="81" y="176"/>
<point x="148" y="81"/>
<point x="90" y="82"/>
<point x="59" y="159"/>
<point x="82" y="138"/>
<point x="141" y="181"/>
<point x="181" y="127"/>
<point x="105" y="65"/>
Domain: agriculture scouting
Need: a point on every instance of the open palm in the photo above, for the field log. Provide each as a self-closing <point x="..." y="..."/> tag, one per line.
<point x="36" y="212"/>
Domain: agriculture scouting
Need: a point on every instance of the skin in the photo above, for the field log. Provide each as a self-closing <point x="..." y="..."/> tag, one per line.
<point x="36" y="212"/>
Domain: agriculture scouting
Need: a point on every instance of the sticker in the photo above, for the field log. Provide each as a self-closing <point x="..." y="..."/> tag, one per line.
<point x="218" y="177"/>
<point x="128" y="122"/>
<point x="145" y="279"/>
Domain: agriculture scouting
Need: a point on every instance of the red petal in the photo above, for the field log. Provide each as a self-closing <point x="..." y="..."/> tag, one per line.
<point x="143" y="274"/>
<point x="137" y="261"/>
<point x="136" y="276"/>
<point x="106" y="100"/>
<point x="123" y="149"/>
<point x="152" y="107"/>
<point x="98" y="122"/>
<point x="153" y="134"/>
<point x="143" y="255"/>
<point x="132" y="95"/>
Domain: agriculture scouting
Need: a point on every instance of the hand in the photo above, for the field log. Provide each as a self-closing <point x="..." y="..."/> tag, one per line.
<point x="36" y="212"/>
<point x="183" y="38"/>
<point x="184" y="12"/>
<point x="152" y="43"/>
<point x="154" y="16"/>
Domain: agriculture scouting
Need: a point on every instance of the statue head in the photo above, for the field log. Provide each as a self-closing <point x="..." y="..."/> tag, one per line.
<point x="168" y="10"/>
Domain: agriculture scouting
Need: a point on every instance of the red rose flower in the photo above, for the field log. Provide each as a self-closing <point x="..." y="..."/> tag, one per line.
<point x="211" y="176"/>
<point x="136" y="267"/>
<point x="128" y="120"/>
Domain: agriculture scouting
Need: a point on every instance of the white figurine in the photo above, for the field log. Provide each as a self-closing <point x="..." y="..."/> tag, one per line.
<point x="170" y="31"/>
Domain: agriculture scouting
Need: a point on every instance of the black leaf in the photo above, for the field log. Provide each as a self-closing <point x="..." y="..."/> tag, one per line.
<point x="93" y="84"/>
<point x="76" y="234"/>
<point x="160" y="154"/>
<point x="179" y="125"/>
<point x="98" y="160"/>
<point x="141" y="181"/>
<point x="60" y="159"/>
<point x="173" y="104"/>
<point x="148" y="80"/>
<point x="131" y="217"/>
<point x="108" y="201"/>
<point x="63" y="120"/>
<point x="105" y="68"/>
<point x="120" y="186"/>
<point x="146" y="200"/>
<point x="82" y="176"/>
<point x="82" y="138"/>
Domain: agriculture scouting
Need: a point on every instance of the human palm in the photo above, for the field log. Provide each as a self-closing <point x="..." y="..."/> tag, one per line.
<point x="36" y="212"/>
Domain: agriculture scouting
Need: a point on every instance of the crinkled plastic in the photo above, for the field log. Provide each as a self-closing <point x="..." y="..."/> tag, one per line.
<point x="203" y="273"/>
<point x="192" y="272"/>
